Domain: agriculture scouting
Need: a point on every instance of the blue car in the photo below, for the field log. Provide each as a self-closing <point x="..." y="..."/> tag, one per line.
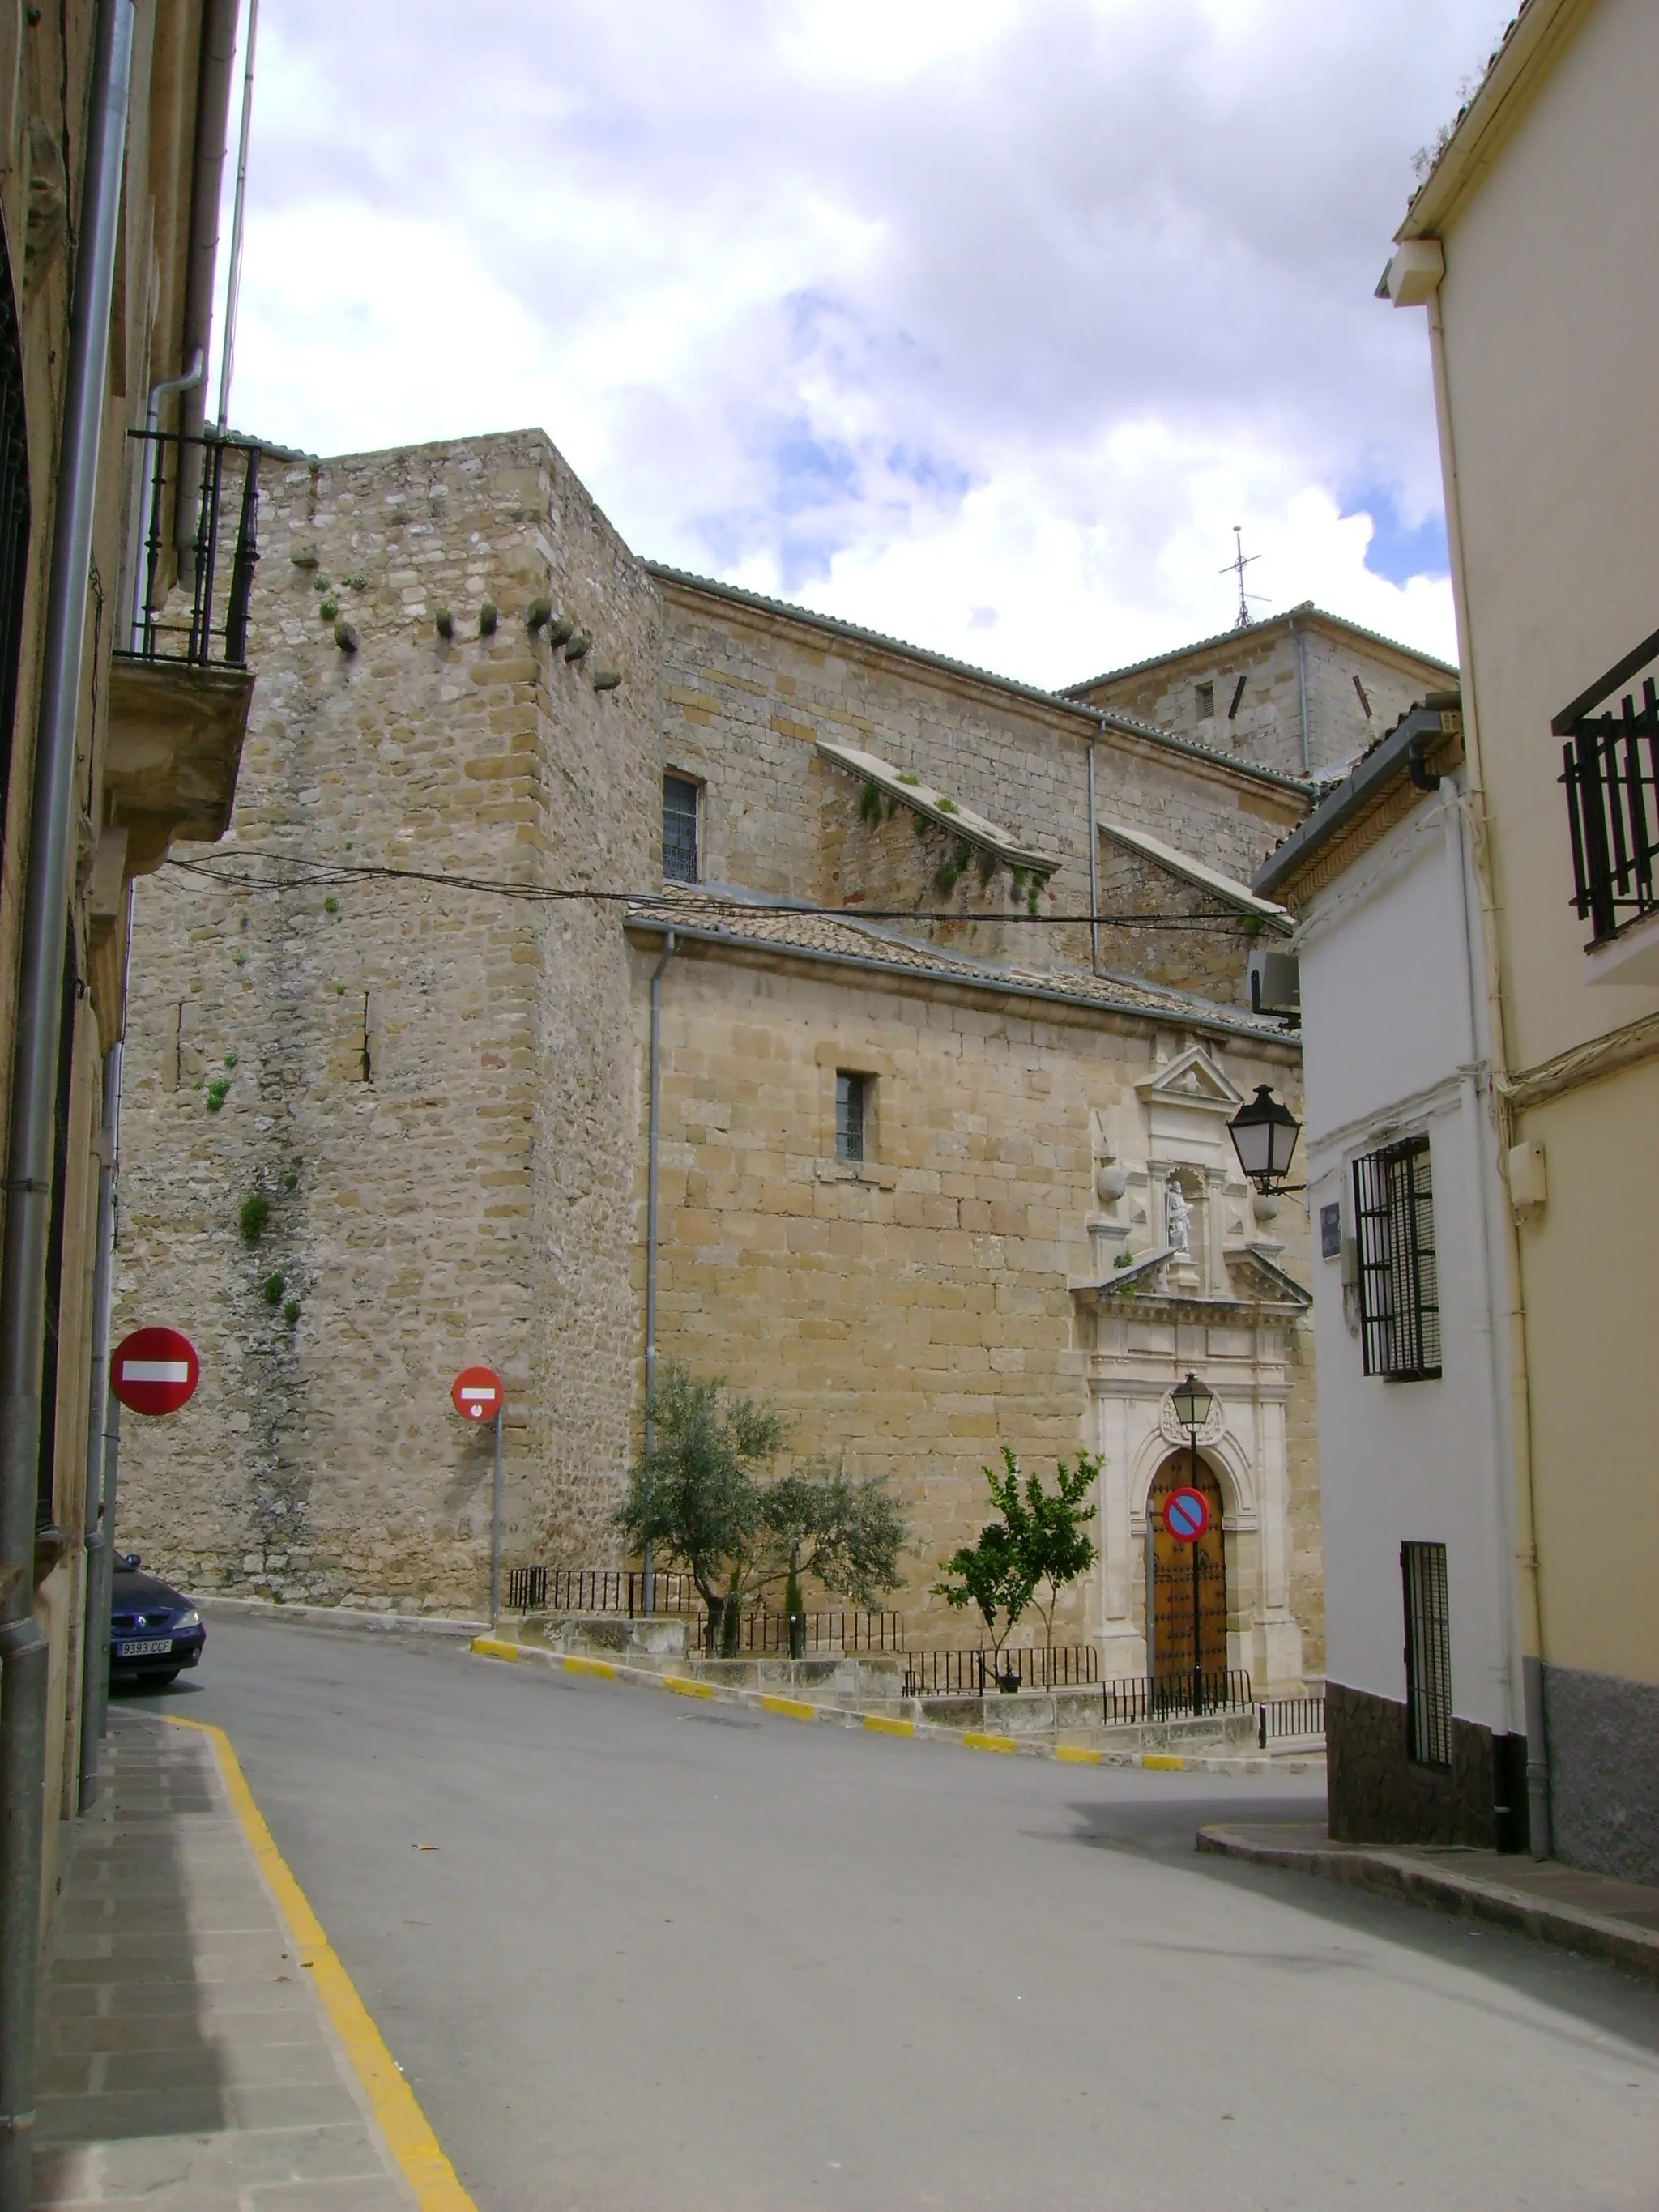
<point x="154" y="1630"/>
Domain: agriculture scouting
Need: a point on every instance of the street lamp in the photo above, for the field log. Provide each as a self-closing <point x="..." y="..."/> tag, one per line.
<point x="1264" y="1135"/>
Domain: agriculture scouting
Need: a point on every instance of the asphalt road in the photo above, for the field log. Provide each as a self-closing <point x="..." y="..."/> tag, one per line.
<point x="660" y="1957"/>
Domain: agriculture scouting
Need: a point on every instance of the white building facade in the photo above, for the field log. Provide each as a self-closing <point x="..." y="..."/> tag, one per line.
<point x="1425" y="1713"/>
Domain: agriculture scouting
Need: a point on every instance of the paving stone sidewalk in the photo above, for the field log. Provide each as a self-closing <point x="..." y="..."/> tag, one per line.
<point x="1592" y="1913"/>
<point x="186" y="2065"/>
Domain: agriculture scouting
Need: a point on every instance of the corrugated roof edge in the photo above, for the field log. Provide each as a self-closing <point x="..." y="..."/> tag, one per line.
<point x="1182" y="1010"/>
<point x="832" y="624"/>
<point x="1386" y="759"/>
<point x="1255" y="629"/>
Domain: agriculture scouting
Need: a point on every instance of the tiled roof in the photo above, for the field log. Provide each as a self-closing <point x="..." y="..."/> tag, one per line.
<point x="1255" y="629"/>
<point x="740" y="918"/>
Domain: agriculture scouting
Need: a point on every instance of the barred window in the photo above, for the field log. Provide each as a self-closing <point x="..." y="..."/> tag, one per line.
<point x="1428" y="1655"/>
<point x="1398" y="1282"/>
<point x="852" y="1102"/>
<point x="679" y="829"/>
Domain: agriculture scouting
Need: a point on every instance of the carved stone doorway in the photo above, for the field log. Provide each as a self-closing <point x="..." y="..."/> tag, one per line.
<point x="1173" y="1568"/>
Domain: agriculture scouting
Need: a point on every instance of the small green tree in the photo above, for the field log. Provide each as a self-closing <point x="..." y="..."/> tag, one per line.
<point x="1039" y="1543"/>
<point x="989" y="1574"/>
<point x="850" y="1535"/>
<point x="1046" y="1531"/>
<point x="694" y="1497"/>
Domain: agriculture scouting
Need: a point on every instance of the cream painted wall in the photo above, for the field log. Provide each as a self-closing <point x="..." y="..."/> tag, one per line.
<point x="1549" y="430"/>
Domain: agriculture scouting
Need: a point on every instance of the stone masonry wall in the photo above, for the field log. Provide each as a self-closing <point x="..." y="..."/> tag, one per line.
<point x="910" y="1313"/>
<point x="1267" y="726"/>
<point x="746" y="692"/>
<point x="431" y="1085"/>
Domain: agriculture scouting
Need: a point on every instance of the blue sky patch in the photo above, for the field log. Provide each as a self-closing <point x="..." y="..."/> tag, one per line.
<point x="1397" y="552"/>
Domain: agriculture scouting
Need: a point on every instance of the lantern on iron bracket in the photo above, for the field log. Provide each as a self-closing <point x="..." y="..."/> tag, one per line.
<point x="1264" y="1134"/>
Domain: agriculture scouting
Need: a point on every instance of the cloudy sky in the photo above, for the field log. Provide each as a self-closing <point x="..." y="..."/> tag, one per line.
<point x="981" y="322"/>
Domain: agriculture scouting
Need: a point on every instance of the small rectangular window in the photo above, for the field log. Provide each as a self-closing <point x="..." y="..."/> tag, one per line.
<point x="851" y="1105"/>
<point x="679" y="829"/>
<point x="1363" y="702"/>
<point x="1399" y="1281"/>
<point x="1428" y="1655"/>
<point x="1206" y="696"/>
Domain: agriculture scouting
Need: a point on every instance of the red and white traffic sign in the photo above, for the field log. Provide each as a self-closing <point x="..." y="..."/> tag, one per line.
<point x="478" y="1393"/>
<point x="154" y="1371"/>
<point x="1186" y="1515"/>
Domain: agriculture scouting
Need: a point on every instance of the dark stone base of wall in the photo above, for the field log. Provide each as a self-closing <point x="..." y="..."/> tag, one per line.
<point x="1603" y="1737"/>
<point x="1378" y="1796"/>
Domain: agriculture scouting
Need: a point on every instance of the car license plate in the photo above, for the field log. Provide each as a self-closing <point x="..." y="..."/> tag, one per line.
<point x="153" y="1647"/>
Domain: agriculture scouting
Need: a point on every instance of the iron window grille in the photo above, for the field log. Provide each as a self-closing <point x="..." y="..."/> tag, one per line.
<point x="1610" y="766"/>
<point x="1428" y="1655"/>
<point x="851" y="1104"/>
<point x="679" y="829"/>
<point x="1399" y="1281"/>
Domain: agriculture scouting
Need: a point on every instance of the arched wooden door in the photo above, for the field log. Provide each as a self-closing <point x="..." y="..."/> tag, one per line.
<point x="1173" y="1568"/>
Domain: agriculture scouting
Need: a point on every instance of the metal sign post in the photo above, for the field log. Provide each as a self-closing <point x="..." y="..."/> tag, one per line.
<point x="1186" y="1516"/>
<point x="477" y="1395"/>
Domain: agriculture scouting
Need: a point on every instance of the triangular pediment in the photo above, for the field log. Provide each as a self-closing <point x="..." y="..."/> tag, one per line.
<point x="1192" y="1081"/>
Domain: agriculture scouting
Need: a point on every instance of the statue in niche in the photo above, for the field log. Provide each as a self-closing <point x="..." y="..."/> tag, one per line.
<point x="1177" y="1221"/>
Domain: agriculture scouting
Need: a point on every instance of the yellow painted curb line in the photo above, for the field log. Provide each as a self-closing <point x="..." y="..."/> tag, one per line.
<point x="879" y="1724"/>
<point x="678" y="1684"/>
<point x="602" y="1667"/>
<point x="1163" y="1762"/>
<point x="975" y="1741"/>
<point x="1076" y="1754"/>
<point x="792" y="1709"/>
<point x="493" y="1647"/>
<point x="409" y="2137"/>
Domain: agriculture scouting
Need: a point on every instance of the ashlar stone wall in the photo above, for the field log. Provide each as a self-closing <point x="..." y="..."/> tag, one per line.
<point x="748" y="689"/>
<point x="912" y="1313"/>
<point x="1266" y="724"/>
<point x="431" y="1087"/>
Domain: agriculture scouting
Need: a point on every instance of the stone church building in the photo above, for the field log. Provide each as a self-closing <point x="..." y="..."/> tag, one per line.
<point x="529" y="831"/>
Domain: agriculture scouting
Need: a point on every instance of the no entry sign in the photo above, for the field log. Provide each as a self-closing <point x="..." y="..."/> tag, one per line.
<point x="478" y="1393"/>
<point x="154" y="1371"/>
<point x="1186" y="1515"/>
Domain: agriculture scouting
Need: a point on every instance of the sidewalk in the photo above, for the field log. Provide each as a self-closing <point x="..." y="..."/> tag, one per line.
<point x="1591" y="1913"/>
<point x="186" y="2062"/>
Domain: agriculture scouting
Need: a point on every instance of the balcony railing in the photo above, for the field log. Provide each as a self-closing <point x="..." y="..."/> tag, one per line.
<point x="214" y="484"/>
<point x="1610" y="766"/>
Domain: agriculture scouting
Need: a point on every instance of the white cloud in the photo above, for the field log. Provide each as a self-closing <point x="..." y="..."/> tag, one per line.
<point x="978" y="321"/>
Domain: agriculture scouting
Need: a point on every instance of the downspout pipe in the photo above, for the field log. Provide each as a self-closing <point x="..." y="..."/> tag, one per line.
<point x="1302" y="693"/>
<point x="43" y="943"/>
<point x="1094" y="867"/>
<point x="668" y="951"/>
<point x="239" y="211"/>
<point x="101" y="1434"/>
<point x="213" y="83"/>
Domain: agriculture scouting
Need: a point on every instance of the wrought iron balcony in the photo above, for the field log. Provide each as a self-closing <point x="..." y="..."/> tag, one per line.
<point x="1610" y="766"/>
<point x="211" y="486"/>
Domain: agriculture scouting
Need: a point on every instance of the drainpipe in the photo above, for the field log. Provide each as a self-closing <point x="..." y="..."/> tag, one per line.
<point x="651" y="1229"/>
<point x="1524" y="1518"/>
<point x="233" y="273"/>
<point x="101" y="1432"/>
<point x="218" y="57"/>
<point x="1094" y="866"/>
<point x="1302" y="693"/>
<point x="23" y="1648"/>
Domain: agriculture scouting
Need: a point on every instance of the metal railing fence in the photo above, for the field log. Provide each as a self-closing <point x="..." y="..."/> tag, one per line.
<point x="1176" y="1697"/>
<point x="974" y="1674"/>
<point x="1610" y="766"/>
<point x="201" y="479"/>
<point x="1280" y="1717"/>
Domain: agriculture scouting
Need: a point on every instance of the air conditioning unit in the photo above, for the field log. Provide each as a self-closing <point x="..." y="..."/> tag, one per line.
<point x="1275" y="984"/>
